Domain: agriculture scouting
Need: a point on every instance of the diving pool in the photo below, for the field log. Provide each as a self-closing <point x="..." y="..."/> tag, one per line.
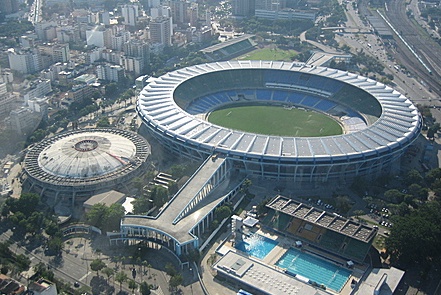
<point x="315" y="269"/>
<point x="256" y="245"/>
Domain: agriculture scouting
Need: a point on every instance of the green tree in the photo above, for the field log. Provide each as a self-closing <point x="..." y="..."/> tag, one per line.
<point x="394" y="196"/>
<point x="97" y="265"/>
<point x="175" y="281"/>
<point x="358" y="213"/>
<point x="144" y="288"/>
<point x="222" y="212"/>
<point x="108" y="272"/>
<point x="103" y="122"/>
<point x="132" y="285"/>
<point x="170" y="269"/>
<point x="55" y="244"/>
<point x="413" y="176"/>
<point x="121" y="277"/>
<point x="159" y="195"/>
<point x="417" y="235"/>
<point x="113" y="219"/>
<point x="97" y="215"/>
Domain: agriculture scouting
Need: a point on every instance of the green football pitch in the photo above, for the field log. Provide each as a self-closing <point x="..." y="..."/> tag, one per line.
<point x="275" y="120"/>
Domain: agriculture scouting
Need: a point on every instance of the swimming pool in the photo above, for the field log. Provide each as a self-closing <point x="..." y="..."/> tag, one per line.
<point x="256" y="245"/>
<point x="314" y="268"/>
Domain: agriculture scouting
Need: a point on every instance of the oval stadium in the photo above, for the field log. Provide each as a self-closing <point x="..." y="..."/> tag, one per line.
<point x="375" y="123"/>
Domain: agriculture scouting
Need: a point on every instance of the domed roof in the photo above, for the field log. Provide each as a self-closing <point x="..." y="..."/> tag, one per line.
<point x="87" y="154"/>
<point x="86" y="158"/>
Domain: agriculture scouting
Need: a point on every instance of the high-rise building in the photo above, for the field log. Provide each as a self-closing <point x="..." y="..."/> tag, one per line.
<point x="104" y="18"/>
<point x="8" y="6"/>
<point x="161" y="31"/>
<point x="110" y="72"/>
<point x="179" y="11"/>
<point x="160" y="11"/>
<point x="26" y="62"/>
<point x="130" y="14"/>
<point x="193" y="14"/>
<point x="99" y="36"/>
<point x="119" y="40"/>
<point x="136" y="56"/>
<point x="243" y="8"/>
<point x="56" y="52"/>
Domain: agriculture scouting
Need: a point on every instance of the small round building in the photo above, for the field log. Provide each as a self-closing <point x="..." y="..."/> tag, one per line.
<point x="82" y="162"/>
<point x="379" y="123"/>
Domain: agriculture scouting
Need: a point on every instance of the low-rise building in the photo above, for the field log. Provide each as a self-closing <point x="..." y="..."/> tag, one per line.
<point x="43" y="287"/>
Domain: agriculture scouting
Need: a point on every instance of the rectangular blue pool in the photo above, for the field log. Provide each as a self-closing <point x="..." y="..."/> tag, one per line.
<point x="256" y="245"/>
<point x="314" y="268"/>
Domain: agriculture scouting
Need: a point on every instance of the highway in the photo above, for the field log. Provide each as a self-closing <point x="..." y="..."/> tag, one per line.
<point x="420" y="41"/>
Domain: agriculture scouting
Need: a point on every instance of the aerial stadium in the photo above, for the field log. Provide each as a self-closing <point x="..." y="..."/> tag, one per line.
<point x="376" y="123"/>
<point x="82" y="162"/>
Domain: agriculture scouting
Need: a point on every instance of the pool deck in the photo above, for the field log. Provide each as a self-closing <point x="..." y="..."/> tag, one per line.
<point x="284" y="244"/>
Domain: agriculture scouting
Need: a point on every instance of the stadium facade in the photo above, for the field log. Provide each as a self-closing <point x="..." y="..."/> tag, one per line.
<point x="379" y="123"/>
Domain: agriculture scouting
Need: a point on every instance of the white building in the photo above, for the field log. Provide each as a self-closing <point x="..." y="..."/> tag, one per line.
<point x="130" y="14"/>
<point x="110" y="72"/>
<point x="285" y="14"/>
<point x="38" y="89"/>
<point x="39" y="105"/>
<point x="98" y="36"/>
<point x="27" y="62"/>
<point x="133" y="64"/>
<point x="24" y="120"/>
<point x="160" y="11"/>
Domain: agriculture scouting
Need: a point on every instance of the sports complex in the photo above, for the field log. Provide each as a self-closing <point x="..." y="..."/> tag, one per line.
<point x="276" y="120"/>
<point x="281" y="120"/>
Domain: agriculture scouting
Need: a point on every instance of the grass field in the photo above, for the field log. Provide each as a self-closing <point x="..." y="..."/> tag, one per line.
<point x="269" y="54"/>
<point x="275" y="120"/>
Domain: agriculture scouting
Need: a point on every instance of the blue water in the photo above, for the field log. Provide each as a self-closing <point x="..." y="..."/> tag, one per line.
<point x="256" y="245"/>
<point x="315" y="269"/>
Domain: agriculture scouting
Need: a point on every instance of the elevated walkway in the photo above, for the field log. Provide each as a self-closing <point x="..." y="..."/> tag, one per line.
<point x="191" y="209"/>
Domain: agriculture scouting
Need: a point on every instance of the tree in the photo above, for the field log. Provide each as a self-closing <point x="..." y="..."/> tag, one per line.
<point x="159" y="195"/>
<point x="175" y="281"/>
<point x="108" y="272"/>
<point x="103" y="122"/>
<point x="394" y="196"/>
<point x="343" y="203"/>
<point x="358" y="213"/>
<point x="144" y="288"/>
<point x="121" y="277"/>
<point x="170" y="269"/>
<point x="132" y="285"/>
<point x="222" y="212"/>
<point x="113" y="219"/>
<point x="55" y="244"/>
<point x="413" y="176"/>
<point x="97" y="265"/>
<point x="97" y="214"/>
<point x="417" y="235"/>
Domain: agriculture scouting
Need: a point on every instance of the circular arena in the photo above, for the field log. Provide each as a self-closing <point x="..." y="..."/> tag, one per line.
<point x="378" y="123"/>
<point x="81" y="162"/>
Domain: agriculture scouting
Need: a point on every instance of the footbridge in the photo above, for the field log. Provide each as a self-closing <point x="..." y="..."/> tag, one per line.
<point x="181" y="223"/>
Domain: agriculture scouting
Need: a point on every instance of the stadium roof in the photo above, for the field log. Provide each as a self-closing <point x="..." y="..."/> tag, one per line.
<point x="323" y="219"/>
<point x="397" y="126"/>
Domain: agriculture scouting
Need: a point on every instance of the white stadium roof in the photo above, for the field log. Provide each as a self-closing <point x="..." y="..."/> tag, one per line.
<point x="395" y="127"/>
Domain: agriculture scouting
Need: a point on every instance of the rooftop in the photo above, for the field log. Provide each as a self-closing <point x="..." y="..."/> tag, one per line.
<point x="323" y="218"/>
<point x="107" y="198"/>
<point x="262" y="277"/>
